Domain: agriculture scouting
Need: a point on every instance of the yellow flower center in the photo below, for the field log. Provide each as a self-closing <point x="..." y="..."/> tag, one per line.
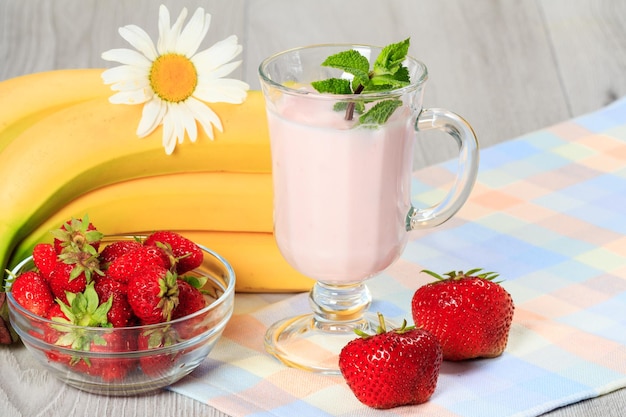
<point x="173" y="77"/>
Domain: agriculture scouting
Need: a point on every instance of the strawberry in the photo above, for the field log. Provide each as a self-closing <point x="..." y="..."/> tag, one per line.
<point x="82" y="309"/>
<point x="44" y="258"/>
<point x="85" y="309"/>
<point x="115" y="250"/>
<point x="77" y="235"/>
<point x="153" y="294"/>
<point x="57" y="312"/>
<point x="52" y="335"/>
<point x="157" y="365"/>
<point x="468" y="312"/>
<point x="66" y="278"/>
<point x="32" y="292"/>
<point x="186" y="253"/>
<point x="110" y="369"/>
<point x="73" y="271"/>
<point x="129" y="264"/>
<point x="121" y="313"/>
<point x="392" y="368"/>
<point x="190" y="300"/>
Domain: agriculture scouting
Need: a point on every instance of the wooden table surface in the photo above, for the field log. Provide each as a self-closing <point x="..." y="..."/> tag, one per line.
<point x="509" y="67"/>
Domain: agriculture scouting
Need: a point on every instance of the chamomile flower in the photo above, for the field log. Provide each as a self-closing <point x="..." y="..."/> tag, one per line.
<point x="172" y="79"/>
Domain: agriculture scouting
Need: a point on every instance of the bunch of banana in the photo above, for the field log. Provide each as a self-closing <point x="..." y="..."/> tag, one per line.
<point x="65" y="151"/>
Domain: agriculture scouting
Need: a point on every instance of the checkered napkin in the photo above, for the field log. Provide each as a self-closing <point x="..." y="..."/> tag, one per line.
<point x="549" y="213"/>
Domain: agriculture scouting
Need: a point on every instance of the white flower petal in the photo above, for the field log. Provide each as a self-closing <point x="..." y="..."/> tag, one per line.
<point x="132" y="97"/>
<point x="151" y="116"/>
<point x="219" y="54"/>
<point x="169" y="136"/>
<point x="117" y="74"/>
<point x="221" y="71"/>
<point x="127" y="57"/>
<point x="140" y="40"/>
<point x="189" y="122"/>
<point x="138" y="83"/>
<point x="177" y="119"/>
<point x="194" y="33"/>
<point x="164" y="28"/>
<point x="169" y="36"/>
<point x="222" y="90"/>
<point x="204" y="115"/>
<point x="126" y="77"/>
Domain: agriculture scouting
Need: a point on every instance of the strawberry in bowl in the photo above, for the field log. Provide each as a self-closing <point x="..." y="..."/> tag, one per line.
<point x="86" y="319"/>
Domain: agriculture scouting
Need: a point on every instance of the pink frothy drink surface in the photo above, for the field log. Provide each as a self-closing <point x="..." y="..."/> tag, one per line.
<point x="341" y="193"/>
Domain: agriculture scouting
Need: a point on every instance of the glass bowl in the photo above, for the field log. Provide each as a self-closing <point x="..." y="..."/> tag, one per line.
<point x="123" y="367"/>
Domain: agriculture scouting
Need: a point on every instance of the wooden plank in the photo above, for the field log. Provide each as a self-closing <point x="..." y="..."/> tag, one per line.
<point x="589" y="43"/>
<point x="46" y="35"/>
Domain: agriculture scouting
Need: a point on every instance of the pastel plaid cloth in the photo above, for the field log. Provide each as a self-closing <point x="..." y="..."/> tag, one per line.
<point x="549" y="213"/>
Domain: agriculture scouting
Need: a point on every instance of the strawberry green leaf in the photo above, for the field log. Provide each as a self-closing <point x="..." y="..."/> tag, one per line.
<point x="196" y="282"/>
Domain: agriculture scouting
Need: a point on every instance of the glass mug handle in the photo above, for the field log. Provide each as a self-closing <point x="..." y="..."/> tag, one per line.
<point x="454" y="125"/>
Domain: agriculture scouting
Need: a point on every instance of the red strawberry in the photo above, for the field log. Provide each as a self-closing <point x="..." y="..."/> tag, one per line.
<point x="127" y="265"/>
<point x="110" y="369"/>
<point x="115" y="250"/>
<point x="468" y="312"/>
<point x="52" y="335"/>
<point x="72" y="272"/>
<point x="33" y="293"/>
<point x="153" y="294"/>
<point x="44" y="258"/>
<point x="77" y="235"/>
<point x="120" y="314"/>
<point x="392" y="368"/>
<point x="188" y="255"/>
<point x="57" y="312"/>
<point x="63" y="279"/>
<point x="157" y="364"/>
<point x="81" y="309"/>
<point x="190" y="300"/>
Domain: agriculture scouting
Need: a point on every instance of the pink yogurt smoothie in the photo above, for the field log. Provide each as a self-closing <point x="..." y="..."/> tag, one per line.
<point x="341" y="193"/>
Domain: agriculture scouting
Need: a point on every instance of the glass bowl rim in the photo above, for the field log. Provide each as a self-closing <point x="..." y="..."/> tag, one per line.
<point x="227" y="294"/>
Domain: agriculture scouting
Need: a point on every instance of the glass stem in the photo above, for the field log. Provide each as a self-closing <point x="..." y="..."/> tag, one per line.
<point x="339" y="306"/>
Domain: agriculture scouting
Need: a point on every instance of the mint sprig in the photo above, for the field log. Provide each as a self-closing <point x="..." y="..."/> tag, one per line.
<point x="387" y="73"/>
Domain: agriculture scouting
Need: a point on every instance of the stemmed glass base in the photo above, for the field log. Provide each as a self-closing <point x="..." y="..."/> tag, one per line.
<point x="313" y="341"/>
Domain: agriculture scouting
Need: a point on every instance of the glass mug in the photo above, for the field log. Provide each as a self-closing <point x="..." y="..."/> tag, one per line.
<point x="342" y="197"/>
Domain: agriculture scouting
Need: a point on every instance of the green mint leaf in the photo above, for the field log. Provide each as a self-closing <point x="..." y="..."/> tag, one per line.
<point x="390" y="59"/>
<point x="387" y="82"/>
<point x="359" y="106"/>
<point x="333" y="86"/>
<point x="388" y="73"/>
<point x="380" y="112"/>
<point x="351" y="62"/>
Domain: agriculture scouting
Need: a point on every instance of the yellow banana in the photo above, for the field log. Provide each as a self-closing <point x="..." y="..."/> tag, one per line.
<point x="93" y="143"/>
<point x="256" y="259"/>
<point x="219" y="201"/>
<point x="28" y="98"/>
